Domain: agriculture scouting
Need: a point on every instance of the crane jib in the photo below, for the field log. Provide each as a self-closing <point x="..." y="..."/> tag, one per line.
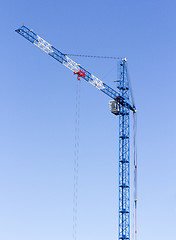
<point x="73" y="66"/>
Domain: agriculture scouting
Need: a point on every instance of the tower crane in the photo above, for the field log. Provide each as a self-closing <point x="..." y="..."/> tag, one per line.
<point x="120" y="105"/>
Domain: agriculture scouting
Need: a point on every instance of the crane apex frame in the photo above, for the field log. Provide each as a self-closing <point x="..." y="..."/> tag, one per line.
<point x="120" y="105"/>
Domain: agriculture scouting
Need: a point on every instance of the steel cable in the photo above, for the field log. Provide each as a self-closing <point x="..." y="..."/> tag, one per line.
<point x="135" y="171"/>
<point x="90" y="56"/>
<point x="76" y="160"/>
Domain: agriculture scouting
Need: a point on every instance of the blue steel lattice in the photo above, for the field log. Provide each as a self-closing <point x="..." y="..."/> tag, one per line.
<point x="63" y="59"/>
<point x="122" y="97"/>
<point x="124" y="156"/>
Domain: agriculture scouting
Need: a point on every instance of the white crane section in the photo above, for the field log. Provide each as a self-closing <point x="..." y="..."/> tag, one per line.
<point x="69" y="63"/>
<point x="73" y="66"/>
<point x="43" y="45"/>
<point x="97" y="82"/>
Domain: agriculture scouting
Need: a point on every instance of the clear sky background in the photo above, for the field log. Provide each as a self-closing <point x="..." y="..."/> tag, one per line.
<point x="37" y="117"/>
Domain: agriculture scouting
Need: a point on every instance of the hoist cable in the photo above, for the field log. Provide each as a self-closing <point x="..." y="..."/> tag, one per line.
<point x="76" y="160"/>
<point x="135" y="157"/>
<point x="135" y="170"/>
<point x="90" y="56"/>
<point x="131" y="91"/>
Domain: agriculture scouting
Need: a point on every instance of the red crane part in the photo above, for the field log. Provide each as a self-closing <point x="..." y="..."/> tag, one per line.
<point x="80" y="74"/>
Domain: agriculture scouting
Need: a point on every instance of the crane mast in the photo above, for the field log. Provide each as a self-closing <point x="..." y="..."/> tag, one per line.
<point x="120" y="105"/>
<point x="124" y="156"/>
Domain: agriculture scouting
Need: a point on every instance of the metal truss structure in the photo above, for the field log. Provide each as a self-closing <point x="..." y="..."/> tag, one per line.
<point x="124" y="156"/>
<point x="121" y="105"/>
<point x="73" y="66"/>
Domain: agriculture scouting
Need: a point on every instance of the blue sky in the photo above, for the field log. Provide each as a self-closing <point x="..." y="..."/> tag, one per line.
<point x="37" y="105"/>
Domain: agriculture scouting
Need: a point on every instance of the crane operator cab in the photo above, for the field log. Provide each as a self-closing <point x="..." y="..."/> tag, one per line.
<point x="114" y="107"/>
